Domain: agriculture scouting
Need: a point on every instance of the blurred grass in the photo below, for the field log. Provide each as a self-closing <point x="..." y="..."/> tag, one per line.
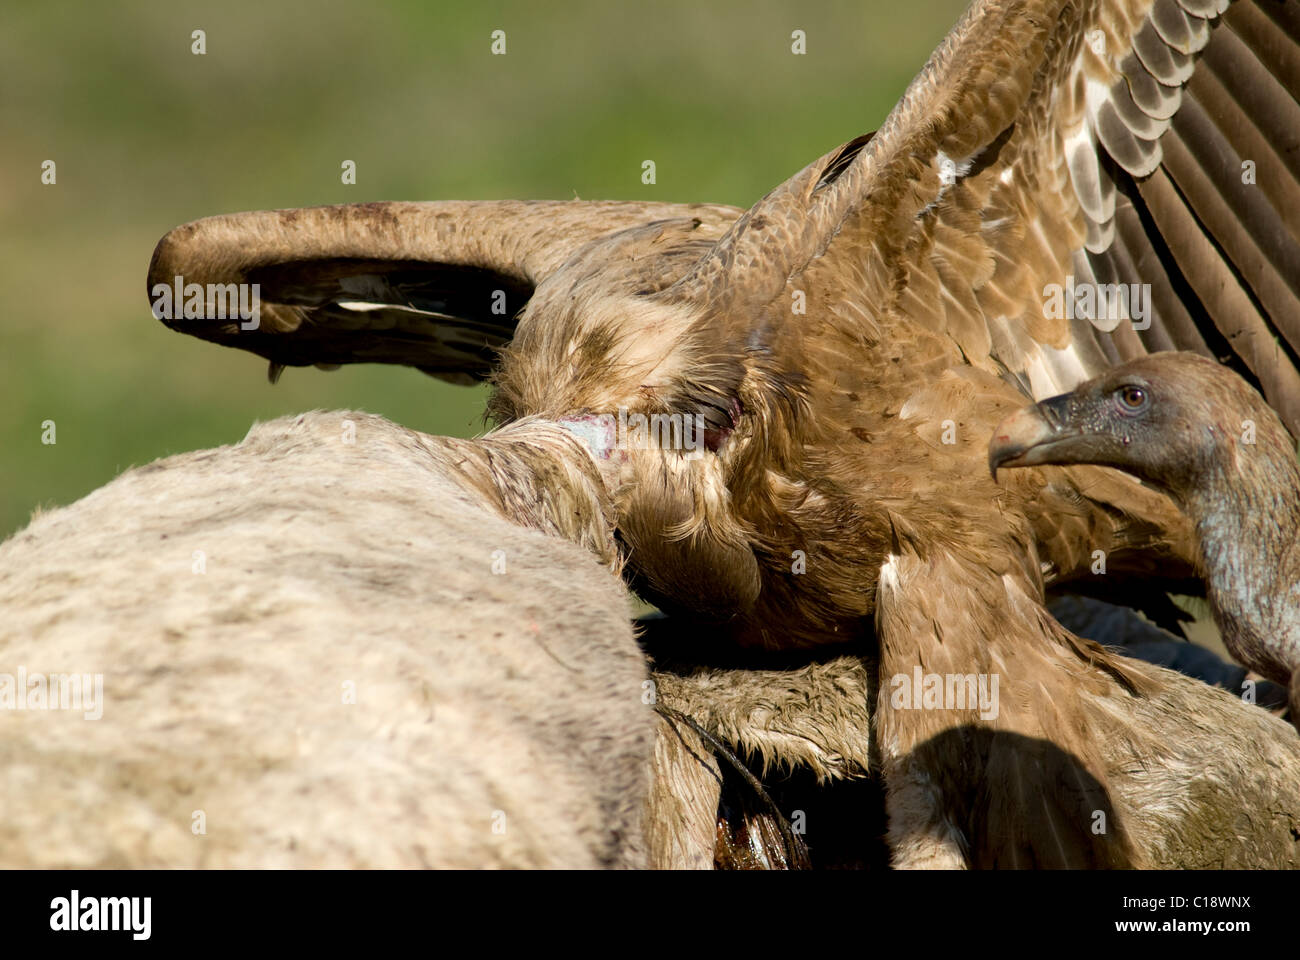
<point x="147" y="135"/>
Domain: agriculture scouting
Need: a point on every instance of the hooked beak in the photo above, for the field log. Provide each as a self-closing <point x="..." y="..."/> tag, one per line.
<point x="1031" y="436"/>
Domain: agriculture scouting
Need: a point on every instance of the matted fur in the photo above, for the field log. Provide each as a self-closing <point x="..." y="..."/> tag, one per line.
<point x="817" y="716"/>
<point x="1189" y="776"/>
<point x="329" y="566"/>
<point x="1201" y="779"/>
<point x="682" y="813"/>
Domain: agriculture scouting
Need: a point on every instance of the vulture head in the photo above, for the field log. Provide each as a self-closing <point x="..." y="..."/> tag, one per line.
<point x="1195" y="429"/>
<point x="1179" y="421"/>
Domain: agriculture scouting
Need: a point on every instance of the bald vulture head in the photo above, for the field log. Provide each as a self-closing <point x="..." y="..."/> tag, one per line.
<point x="1179" y="421"/>
<point x="1197" y="430"/>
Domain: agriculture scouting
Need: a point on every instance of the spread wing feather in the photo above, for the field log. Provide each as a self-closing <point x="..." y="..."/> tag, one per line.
<point x="436" y="286"/>
<point x="1067" y="184"/>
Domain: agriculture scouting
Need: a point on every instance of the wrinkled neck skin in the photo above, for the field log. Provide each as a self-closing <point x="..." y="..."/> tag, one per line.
<point x="540" y="475"/>
<point x="1247" y="507"/>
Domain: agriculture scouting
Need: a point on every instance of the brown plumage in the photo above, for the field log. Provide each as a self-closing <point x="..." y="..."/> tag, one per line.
<point x="849" y="343"/>
<point x="1197" y="778"/>
<point x="1197" y="431"/>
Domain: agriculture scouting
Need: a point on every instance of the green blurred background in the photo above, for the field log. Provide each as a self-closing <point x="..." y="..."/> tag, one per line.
<point x="147" y="135"/>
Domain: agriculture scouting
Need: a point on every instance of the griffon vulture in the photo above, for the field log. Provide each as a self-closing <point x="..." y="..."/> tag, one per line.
<point x="1197" y="431"/>
<point x="848" y="344"/>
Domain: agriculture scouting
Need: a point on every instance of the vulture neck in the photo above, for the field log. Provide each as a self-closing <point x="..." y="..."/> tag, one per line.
<point x="1247" y="511"/>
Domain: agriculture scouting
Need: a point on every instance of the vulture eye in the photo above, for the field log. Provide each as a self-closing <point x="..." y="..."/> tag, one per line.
<point x="1132" y="398"/>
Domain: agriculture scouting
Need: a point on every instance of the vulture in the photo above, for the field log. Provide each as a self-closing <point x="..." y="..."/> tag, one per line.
<point x="1197" y="431"/>
<point x="1066" y="185"/>
<point x="1125" y="630"/>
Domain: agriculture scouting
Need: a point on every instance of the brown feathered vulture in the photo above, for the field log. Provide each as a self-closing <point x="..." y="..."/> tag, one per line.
<point x="1197" y="431"/>
<point x="1065" y="185"/>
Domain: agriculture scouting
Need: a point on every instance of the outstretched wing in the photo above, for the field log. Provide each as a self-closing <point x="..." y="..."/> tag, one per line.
<point x="436" y="286"/>
<point x="1048" y="149"/>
